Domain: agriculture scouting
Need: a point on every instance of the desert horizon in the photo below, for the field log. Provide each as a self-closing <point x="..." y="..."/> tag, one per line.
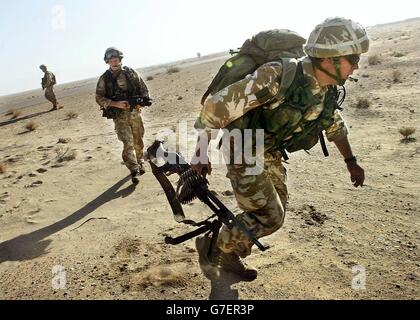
<point x="167" y="64"/>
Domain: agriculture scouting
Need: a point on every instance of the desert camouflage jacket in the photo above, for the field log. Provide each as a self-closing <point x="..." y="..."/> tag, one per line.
<point x="230" y="104"/>
<point x="104" y="101"/>
<point x="47" y="80"/>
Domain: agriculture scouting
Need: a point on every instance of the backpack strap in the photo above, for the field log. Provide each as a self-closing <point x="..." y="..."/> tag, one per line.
<point x="290" y="67"/>
<point x="110" y="80"/>
<point x="290" y="70"/>
<point x="128" y="72"/>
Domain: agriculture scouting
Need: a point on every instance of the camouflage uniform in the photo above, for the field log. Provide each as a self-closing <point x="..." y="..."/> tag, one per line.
<point x="130" y="131"/>
<point x="48" y="84"/>
<point x="262" y="197"/>
<point x="128" y="125"/>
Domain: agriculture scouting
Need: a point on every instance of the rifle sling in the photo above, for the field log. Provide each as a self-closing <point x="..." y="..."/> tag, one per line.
<point x="170" y="193"/>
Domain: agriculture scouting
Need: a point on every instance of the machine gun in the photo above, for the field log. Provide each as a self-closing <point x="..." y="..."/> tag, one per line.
<point x="112" y="112"/>
<point x="139" y="101"/>
<point x="190" y="186"/>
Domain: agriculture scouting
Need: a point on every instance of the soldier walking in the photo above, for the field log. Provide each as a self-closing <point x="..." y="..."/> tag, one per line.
<point x="48" y="82"/>
<point x="114" y="90"/>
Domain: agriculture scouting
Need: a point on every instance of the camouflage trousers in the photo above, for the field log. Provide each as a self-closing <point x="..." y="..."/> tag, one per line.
<point x="50" y="95"/>
<point x="130" y="130"/>
<point x="263" y="199"/>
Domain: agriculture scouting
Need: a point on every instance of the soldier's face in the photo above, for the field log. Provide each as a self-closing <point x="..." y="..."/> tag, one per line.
<point x="347" y="68"/>
<point x="114" y="63"/>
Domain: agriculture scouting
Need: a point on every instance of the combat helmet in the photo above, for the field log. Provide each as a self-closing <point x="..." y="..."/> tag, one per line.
<point x="43" y="66"/>
<point x="337" y="37"/>
<point x="112" y="52"/>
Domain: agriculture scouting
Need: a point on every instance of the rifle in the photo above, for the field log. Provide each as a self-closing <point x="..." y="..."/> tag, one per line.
<point x="190" y="186"/>
<point x="138" y="100"/>
<point x="112" y="112"/>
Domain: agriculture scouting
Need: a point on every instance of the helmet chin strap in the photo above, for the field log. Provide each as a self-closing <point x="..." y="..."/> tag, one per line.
<point x="337" y="77"/>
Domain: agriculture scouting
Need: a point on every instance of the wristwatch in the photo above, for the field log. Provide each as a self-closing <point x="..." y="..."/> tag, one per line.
<point x="351" y="159"/>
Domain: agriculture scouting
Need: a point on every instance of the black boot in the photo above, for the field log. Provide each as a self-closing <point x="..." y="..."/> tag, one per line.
<point x="233" y="263"/>
<point x="134" y="176"/>
<point x="142" y="170"/>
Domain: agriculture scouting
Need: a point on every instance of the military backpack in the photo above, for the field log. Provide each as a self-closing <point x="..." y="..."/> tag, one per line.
<point x="53" y="80"/>
<point x="285" y="46"/>
<point x="266" y="46"/>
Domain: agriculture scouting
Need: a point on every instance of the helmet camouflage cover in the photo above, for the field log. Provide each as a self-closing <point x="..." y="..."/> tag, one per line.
<point x="112" y="52"/>
<point x="337" y="37"/>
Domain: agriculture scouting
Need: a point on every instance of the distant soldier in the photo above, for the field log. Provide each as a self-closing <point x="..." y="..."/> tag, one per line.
<point x="48" y="82"/>
<point x="115" y="88"/>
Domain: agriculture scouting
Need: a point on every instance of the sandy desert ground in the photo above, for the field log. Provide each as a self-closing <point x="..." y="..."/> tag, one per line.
<point x="82" y="217"/>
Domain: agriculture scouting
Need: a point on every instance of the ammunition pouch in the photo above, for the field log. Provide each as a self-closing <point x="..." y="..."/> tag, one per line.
<point x="111" y="112"/>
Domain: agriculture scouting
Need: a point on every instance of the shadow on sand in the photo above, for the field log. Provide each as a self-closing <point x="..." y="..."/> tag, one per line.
<point x="12" y="121"/>
<point x="34" y="244"/>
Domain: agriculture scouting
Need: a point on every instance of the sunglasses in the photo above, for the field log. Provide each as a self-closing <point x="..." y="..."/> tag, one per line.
<point x="113" y="54"/>
<point x="110" y="56"/>
<point x="353" y="59"/>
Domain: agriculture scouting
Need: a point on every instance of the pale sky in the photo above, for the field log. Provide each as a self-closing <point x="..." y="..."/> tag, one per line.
<point x="70" y="36"/>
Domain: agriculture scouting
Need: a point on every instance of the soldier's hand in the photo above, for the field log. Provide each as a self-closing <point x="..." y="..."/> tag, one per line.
<point x="357" y="174"/>
<point x="202" y="169"/>
<point x="201" y="166"/>
<point x="122" y="105"/>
